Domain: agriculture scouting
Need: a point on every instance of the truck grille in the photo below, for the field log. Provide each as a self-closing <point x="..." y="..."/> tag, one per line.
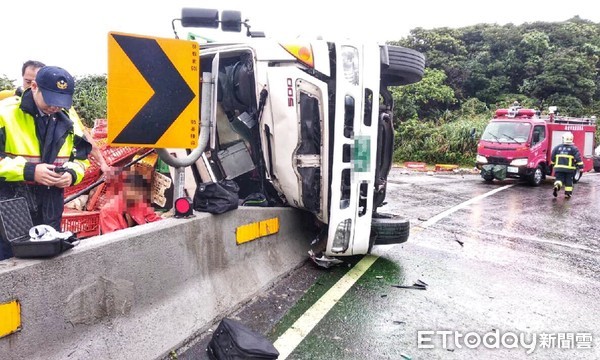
<point x="496" y="160"/>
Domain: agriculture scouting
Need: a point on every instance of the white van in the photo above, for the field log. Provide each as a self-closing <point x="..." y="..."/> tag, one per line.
<point x="307" y="124"/>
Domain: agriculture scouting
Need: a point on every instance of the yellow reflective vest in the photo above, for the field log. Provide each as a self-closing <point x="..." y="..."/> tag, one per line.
<point x="7" y="93"/>
<point x="566" y="158"/>
<point x="20" y="149"/>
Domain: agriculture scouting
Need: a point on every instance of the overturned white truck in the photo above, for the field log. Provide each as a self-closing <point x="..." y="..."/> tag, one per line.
<point x="306" y="124"/>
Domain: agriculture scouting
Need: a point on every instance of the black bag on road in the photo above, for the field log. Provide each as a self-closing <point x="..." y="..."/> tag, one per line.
<point x="234" y="341"/>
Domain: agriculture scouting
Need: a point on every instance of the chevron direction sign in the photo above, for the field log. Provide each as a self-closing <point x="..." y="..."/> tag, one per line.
<point x="153" y="87"/>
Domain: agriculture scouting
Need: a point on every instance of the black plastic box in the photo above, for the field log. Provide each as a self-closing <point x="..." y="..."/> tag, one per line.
<point x="15" y="223"/>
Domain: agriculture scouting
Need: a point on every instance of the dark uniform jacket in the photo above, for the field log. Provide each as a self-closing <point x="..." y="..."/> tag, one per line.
<point x="566" y="158"/>
<point x="28" y="138"/>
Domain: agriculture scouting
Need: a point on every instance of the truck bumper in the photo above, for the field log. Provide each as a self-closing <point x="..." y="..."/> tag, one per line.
<point x="490" y="172"/>
<point x="501" y="172"/>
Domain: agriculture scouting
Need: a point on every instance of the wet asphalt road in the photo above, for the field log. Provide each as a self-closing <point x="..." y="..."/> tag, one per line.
<point x="517" y="262"/>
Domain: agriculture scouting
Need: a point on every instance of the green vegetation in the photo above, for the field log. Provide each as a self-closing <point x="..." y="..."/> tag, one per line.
<point x="439" y="143"/>
<point x="89" y="99"/>
<point x="6" y="83"/>
<point x="472" y="71"/>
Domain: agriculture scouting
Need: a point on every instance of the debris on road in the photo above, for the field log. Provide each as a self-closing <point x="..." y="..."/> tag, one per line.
<point x="324" y="260"/>
<point x="418" y="285"/>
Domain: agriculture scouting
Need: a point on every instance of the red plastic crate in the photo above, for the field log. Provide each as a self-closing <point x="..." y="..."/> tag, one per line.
<point x="92" y="174"/>
<point x="81" y="223"/>
<point x="99" y="198"/>
<point x="113" y="155"/>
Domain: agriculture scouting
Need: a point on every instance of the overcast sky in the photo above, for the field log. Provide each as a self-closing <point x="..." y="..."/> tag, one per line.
<point x="73" y="33"/>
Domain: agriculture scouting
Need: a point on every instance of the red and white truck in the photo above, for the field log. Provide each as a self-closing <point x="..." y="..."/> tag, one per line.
<point x="518" y="143"/>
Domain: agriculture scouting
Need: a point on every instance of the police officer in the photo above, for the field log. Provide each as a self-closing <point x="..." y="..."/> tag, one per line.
<point x="28" y="72"/>
<point x="566" y="160"/>
<point x="42" y="151"/>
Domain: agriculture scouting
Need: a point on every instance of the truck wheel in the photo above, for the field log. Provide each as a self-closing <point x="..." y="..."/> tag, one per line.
<point x="577" y="176"/>
<point x="390" y="228"/>
<point x="401" y="66"/>
<point x="537" y="177"/>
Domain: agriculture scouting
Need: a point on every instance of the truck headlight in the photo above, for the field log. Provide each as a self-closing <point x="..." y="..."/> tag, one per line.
<point x="341" y="239"/>
<point x="519" y="162"/>
<point x="350" y="64"/>
<point x="481" y="159"/>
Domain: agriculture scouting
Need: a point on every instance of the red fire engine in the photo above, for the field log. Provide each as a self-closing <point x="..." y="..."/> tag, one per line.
<point x="518" y="143"/>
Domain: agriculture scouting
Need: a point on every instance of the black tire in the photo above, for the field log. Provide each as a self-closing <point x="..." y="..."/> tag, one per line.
<point x="372" y="239"/>
<point x="231" y="21"/>
<point x="577" y="176"/>
<point x="204" y="18"/>
<point x="537" y="177"/>
<point x="401" y="66"/>
<point x="390" y="228"/>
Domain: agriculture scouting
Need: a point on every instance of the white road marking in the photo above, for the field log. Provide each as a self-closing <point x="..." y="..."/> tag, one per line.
<point x="443" y="214"/>
<point x="537" y="239"/>
<point x="293" y="336"/>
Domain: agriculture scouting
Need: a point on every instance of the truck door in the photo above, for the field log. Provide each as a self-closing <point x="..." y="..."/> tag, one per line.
<point x="539" y="147"/>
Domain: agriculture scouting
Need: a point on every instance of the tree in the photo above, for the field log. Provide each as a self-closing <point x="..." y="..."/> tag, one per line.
<point x="89" y="98"/>
<point x="535" y="61"/>
<point x="564" y="74"/>
<point x="426" y="99"/>
<point x="6" y="83"/>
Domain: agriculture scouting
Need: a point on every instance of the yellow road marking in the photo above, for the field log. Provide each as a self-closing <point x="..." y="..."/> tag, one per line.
<point x="293" y="336"/>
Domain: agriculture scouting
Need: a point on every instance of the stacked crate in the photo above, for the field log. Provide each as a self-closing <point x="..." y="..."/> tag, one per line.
<point x="85" y="223"/>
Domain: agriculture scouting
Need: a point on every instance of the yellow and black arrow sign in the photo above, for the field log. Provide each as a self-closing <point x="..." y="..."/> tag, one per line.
<point x="153" y="87"/>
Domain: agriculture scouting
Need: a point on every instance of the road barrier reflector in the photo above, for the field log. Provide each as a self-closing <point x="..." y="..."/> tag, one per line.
<point x="10" y="318"/>
<point x="255" y="230"/>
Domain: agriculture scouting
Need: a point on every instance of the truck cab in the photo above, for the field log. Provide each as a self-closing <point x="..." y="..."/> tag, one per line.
<point x="518" y="143"/>
<point x="306" y="124"/>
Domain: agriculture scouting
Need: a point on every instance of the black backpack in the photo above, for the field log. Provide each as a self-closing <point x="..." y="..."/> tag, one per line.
<point x="216" y="197"/>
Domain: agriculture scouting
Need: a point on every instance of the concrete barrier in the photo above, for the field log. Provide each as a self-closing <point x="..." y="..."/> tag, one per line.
<point x="140" y="292"/>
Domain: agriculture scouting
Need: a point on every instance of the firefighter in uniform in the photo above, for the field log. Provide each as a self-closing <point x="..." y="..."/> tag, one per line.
<point x="42" y="151"/>
<point x="566" y="160"/>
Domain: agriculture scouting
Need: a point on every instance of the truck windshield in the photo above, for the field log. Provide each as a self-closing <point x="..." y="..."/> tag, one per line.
<point x="507" y="132"/>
